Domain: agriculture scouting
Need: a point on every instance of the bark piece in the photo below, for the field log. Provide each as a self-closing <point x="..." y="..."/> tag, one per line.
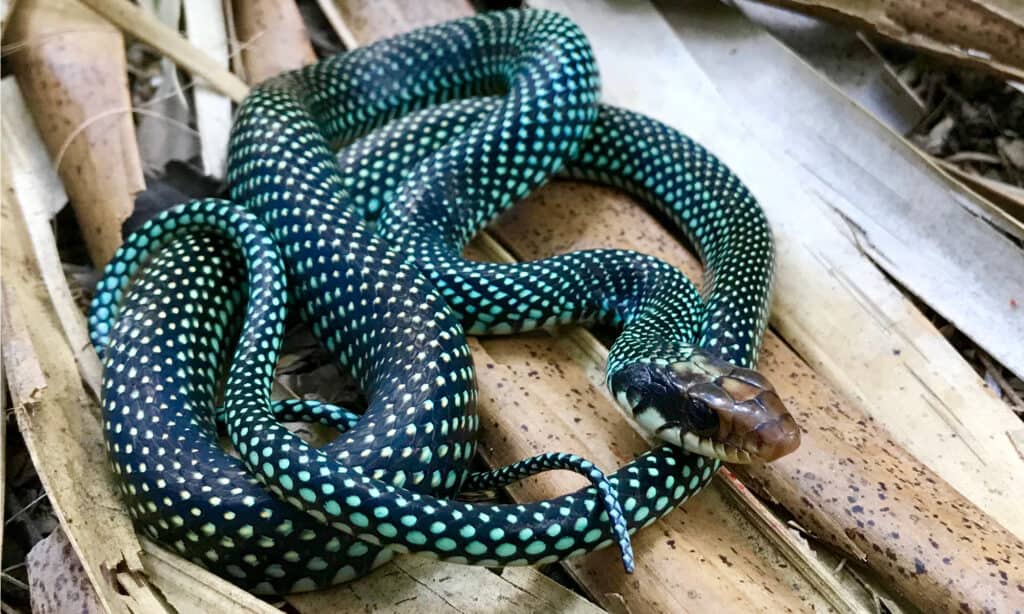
<point x="71" y="67"/>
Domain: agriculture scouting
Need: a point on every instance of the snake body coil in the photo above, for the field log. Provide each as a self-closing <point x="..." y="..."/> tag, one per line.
<point x="390" y="302"/>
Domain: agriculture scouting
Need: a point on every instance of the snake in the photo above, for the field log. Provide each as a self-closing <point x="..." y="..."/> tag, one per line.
<point x="355" y="184"/>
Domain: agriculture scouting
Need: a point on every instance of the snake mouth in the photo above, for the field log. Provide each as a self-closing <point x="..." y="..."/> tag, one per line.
<point x="705" y="446"/>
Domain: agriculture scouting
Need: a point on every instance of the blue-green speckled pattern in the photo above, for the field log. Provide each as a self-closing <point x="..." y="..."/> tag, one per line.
<point x="368" y="249"/>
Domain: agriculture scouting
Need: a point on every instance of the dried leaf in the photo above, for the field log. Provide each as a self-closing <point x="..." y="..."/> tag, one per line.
<point x="57" y="579"/>
<point x="985" y="34"/>
<point x="72" y="71"/>
<point x="937" y="136"/>
<point x="272" y="36"/>
<point x="39" y="190"/>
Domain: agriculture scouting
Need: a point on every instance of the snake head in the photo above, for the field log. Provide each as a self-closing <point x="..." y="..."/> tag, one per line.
<point x="708" y="407"/>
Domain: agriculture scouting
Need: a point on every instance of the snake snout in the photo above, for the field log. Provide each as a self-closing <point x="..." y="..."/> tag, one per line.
<point x="751" y="418"/>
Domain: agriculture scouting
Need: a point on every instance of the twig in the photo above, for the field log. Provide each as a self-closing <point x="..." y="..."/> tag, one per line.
<point x="15" y="566"/>
<point x="973" y="156"/>
<point x="9" y="609"/>
<point x="24" y="509"/>
<point x="16" y="582"/>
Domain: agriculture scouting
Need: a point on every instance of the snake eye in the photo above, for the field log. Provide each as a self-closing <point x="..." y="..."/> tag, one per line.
<point x="659" y="401"/>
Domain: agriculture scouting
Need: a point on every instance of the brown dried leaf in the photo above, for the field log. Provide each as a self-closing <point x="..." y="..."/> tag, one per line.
<point x="272" y="36"/>
<point x="985" y="34"/>
<point x="72" y="71"/>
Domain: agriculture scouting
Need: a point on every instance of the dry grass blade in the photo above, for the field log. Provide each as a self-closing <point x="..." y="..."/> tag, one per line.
<point x="830" y="303"/>
<point x="985" y="34"/>
<point x="57" y="419"/>
<point x="849" y="60"/>
<point x="855" y="65"/>
<point x="3" y="437"/>
<point x="6" y="8"/>
<point x="839" y="484"/>
<point x="849" y="457"/>
<point x="188" y="588"/>
<point x="913" y="223"/>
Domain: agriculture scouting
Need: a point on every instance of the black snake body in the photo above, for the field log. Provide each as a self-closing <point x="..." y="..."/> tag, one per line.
<point x="390" y="301"/>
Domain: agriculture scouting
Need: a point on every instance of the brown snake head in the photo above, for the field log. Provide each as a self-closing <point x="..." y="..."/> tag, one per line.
<point x="708" y="407"/>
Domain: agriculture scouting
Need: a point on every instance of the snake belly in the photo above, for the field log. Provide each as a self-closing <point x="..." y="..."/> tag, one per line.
<point x="286" y="517"/>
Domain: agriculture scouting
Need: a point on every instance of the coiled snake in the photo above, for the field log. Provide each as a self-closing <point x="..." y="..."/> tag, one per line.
<point x="443" y="129"/>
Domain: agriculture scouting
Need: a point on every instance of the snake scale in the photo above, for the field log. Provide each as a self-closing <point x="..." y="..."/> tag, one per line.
<point x="439" y="131"/>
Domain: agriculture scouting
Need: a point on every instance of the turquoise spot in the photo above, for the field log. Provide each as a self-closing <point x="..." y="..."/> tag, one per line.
<point x="536" y="547"/>
<point x="505" y="550"/>
<point x="565" y="543"/>
<point x="415" y="537"/>
<point x="446" y="543"/>
<point x="357" y="549"/>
